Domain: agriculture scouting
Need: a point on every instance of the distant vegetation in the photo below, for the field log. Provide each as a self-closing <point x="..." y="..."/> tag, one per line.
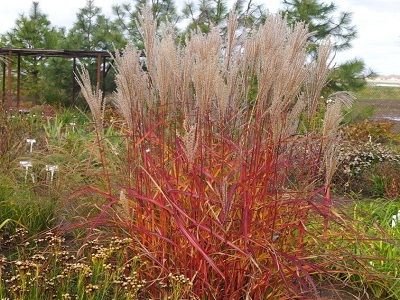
<point x="49" y="80"/>
<point x="379" y="92"/>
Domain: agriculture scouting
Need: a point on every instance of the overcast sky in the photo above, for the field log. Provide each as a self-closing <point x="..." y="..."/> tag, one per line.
<point x="377" y="22"/>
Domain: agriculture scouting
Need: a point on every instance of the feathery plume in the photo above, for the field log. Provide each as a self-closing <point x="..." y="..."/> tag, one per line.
<point x="93" y="97"/>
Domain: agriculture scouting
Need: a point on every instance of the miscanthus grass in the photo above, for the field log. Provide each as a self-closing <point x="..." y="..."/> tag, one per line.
<point x="227" y="163"/>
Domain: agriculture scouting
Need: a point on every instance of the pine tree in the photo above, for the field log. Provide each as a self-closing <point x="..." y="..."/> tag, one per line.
<point x="127" y="17"/>
<point x="94" y="31"/>
<point x="207" y="13"/>
<point x="324" y="21"/>
<point x="33" y="31"/>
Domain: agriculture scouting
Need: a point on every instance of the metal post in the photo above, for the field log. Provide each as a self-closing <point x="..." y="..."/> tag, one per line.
<point x="19" y="80"/>
<point x="73" y="80"/>
<point x="98" y="72"/>
<point x="4" y="82"/>
<point x="9" y="80"/>
<point x="103" y="75"/>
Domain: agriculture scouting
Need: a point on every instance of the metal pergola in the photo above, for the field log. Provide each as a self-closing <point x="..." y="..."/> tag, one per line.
<point x="9" y="54"/>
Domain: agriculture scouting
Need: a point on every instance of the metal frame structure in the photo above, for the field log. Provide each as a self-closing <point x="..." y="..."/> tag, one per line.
<point x="9" y="53"/>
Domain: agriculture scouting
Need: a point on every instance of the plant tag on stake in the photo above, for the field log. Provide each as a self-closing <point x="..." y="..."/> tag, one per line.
<point x="395" y="219"/>
<point x="73" y="125"/>
<point x="26" y="164"/>
<point x="51" y="169"/>
<point x="31" y="142"/>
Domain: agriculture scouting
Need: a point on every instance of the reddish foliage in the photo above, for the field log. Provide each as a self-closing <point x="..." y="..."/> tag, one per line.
<point x="235" y="220"/>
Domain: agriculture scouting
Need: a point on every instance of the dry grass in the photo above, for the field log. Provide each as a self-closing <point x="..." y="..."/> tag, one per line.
<point x="94" y="97"/>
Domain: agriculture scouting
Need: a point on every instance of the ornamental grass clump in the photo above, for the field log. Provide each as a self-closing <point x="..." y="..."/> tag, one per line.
<point x="225" y="164"/>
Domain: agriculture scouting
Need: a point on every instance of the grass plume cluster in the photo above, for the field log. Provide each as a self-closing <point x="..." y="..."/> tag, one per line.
<point x="225" y="164"/>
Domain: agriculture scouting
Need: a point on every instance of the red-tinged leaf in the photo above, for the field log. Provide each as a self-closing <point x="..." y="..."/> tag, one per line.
<point x="91" y="189"/>
<point x="150" y="233"/>
<point x="193" y="195"/>
<point x="136" y="195"/>
<point x="195" y="244"/>
<point x="181" y="211"/>
<point x="303" y="266"/>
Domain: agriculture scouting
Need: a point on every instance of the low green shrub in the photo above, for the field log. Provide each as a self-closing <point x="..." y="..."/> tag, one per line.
<point x="358" y="113"/>
<point x="373" y="131"/>
<point x="362" y="249"/>
<point x="371" y="169"/>
<point x="379" y="218"/>
<point x="20" y="203"/>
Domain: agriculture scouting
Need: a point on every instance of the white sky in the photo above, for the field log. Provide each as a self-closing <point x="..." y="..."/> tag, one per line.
<point x="377" y="22"/>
